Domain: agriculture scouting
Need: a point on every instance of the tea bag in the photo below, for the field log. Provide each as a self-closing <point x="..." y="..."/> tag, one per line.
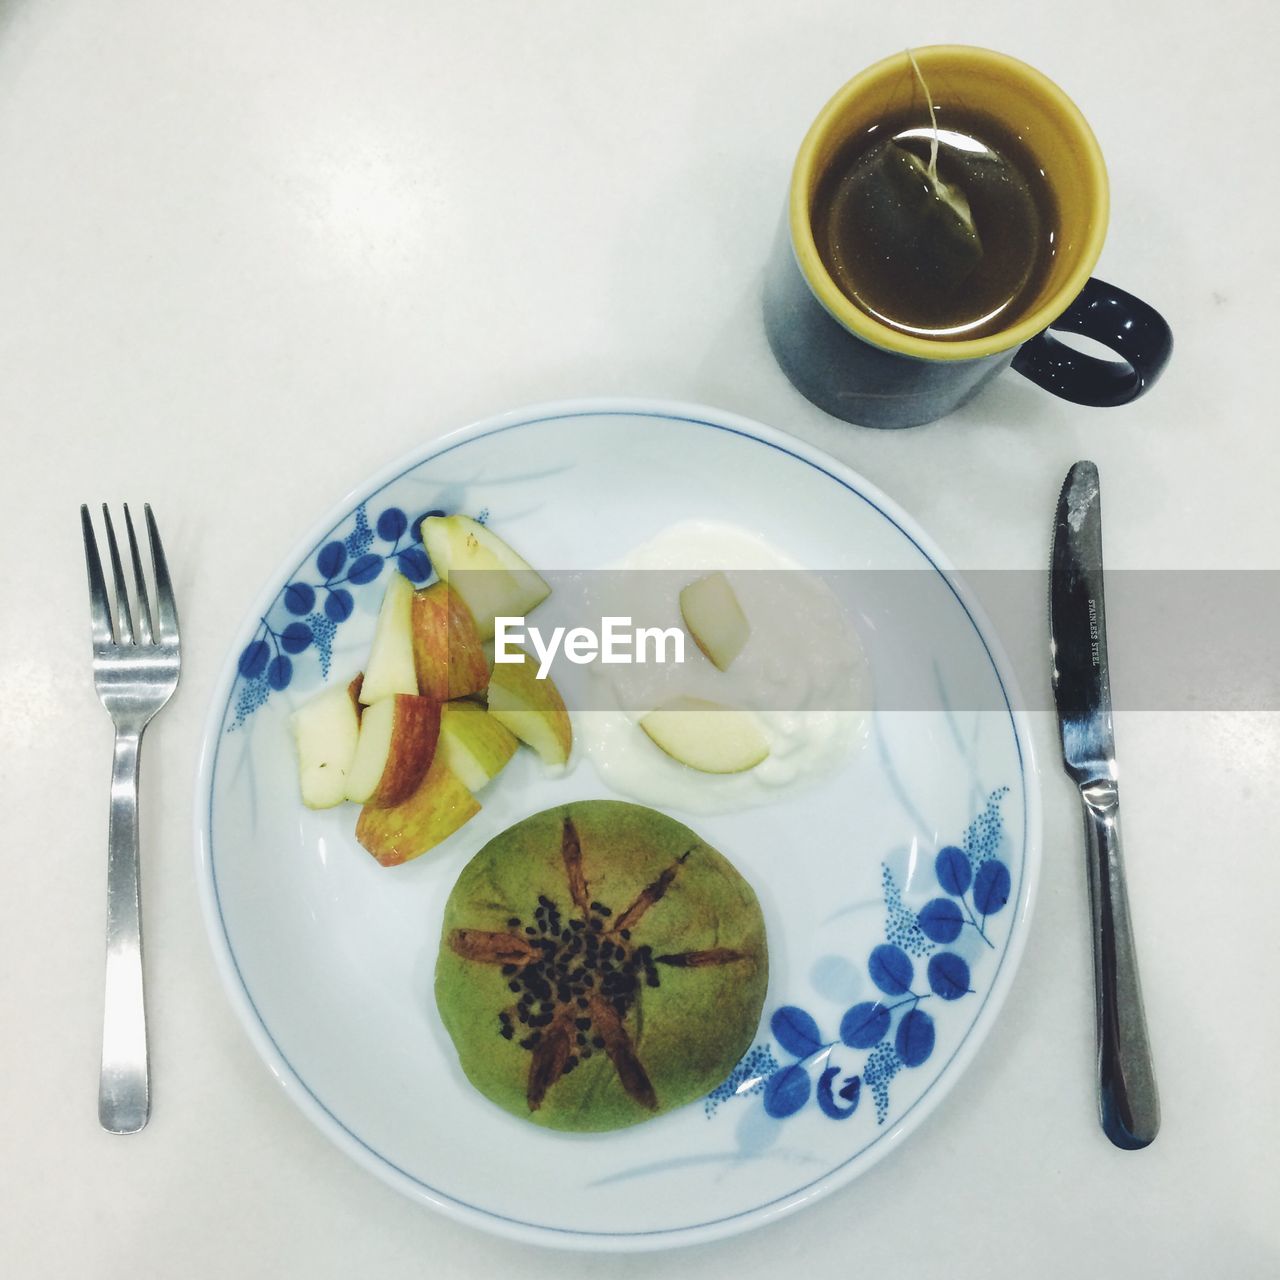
<point x="901" y="216"/>
<point x="904" y="212"/>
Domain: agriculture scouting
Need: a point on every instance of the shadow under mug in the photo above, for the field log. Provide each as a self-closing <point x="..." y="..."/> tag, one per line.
<point x="867" y="373"/>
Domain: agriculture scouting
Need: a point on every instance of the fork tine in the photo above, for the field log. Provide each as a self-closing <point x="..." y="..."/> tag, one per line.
<point x="124" y="620"/>
<point x="99" y="607"/>
<point x="166" y="609"/>
<point x="144" y="604"/>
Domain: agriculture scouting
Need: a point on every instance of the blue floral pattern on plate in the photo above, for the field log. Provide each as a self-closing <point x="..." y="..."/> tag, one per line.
<point x="307" y="613"/>
<point x="892" y="1030"/>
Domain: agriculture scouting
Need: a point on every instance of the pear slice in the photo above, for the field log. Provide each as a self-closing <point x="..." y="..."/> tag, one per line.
<point x="431" y="813"/>
<point x="474" y="744"/>
<point x="531" y="708"/>
<point x="325" y="731"/>
<point x="491" y="578"/>
<point x="707" y="736"/>
<point x="396" y="744"/>
<point x="715" y="619"/>
<point x="391" y="669"/>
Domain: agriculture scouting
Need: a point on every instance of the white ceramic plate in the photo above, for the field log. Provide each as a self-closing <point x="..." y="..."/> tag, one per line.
<point x="896" y="893"/>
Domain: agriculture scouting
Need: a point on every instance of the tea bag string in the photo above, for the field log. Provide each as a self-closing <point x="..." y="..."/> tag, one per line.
<point x="933" y="119"/>
<point x="950" y="195"/>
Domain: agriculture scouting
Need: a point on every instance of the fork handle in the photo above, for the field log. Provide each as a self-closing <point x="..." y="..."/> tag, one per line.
<point x="1129" y="1105"/>
<point x="124" y="1093"/>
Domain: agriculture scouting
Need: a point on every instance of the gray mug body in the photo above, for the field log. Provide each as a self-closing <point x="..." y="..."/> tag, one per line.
<point x="849" y="377"/>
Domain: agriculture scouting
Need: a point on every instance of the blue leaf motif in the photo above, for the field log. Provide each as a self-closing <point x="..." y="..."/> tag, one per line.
<point x="892" y="1030"/>
<point x="850" y="1093"/>
<point x="914" y="1041"/>
<point x="295" y="637"/>
<point x="948" y="975"/>
<point x="864" y="1025"/>
<point x="991" y="887"/>
<point x="426" y="515"/>
<point x="786" y="1091"/>
<point x="306" y="614"/>
<point x="299" y="598"/>
<point x="391" y="524"/>
<point x="951" y="866"/>
<point x="339" y="605"/>
<point x="796" y="1031"/>
<point x="836" y="978"/>
<point x="941" y="920"/>
<point x="413" y="563"/>
<point x="891" y="969"/>
<point x="253" y="659"/>
<point x="330" y="559"/>
<point x="365" y="569"/>
<point x="279" y="672"/>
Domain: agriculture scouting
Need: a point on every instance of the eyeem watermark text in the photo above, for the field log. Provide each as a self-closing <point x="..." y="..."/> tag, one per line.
<point x="618" y="641"/>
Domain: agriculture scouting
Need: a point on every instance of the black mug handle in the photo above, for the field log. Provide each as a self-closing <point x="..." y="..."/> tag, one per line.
<point x="1136" y="332"/>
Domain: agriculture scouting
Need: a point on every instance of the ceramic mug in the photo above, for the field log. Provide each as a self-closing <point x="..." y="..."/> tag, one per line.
<point x="865" y="372"/>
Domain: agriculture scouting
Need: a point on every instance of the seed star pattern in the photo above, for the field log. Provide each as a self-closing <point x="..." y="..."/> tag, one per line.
<point x="579" y="977"/>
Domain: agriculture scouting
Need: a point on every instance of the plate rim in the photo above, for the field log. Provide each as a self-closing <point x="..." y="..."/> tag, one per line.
<point x="571" y="1238"/>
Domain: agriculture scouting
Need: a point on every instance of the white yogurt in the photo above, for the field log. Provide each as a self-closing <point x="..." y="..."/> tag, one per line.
<point x="801" y="671"/>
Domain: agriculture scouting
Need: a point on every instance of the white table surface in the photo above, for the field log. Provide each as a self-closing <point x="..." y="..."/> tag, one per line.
<point x="250" y="252"/>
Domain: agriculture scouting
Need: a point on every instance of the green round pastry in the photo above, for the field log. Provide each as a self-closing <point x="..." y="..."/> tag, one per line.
<point x="600" y="965"/>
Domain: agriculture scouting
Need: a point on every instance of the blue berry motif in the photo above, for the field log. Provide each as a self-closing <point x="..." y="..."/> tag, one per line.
<point x="305" y="617"/>
<point x="745" y="1079"/>
<point x="358" y="541"/>
<point x="902" y="927"/>
<point x="894" y="1031"/>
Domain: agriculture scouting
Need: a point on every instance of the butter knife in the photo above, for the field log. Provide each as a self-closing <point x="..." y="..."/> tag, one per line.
<point x="1128" y="1103"/>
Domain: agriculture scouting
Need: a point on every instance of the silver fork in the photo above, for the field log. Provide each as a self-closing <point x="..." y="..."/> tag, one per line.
<point x="135" y="674"/>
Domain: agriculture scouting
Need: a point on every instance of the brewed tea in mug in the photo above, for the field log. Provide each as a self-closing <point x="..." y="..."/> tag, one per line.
<point x="922" y="264"/>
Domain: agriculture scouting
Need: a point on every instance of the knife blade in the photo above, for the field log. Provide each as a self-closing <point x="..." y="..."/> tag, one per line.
<point x="1128" y="1102"/>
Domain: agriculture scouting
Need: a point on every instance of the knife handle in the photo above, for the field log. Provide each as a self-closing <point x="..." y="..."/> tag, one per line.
<point x="1127" y="1097"/>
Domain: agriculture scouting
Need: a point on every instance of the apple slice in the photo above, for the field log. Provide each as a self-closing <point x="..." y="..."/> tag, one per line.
<point x="473" y="744"/>
<point x="448" y="653"/>
<point x="492" y="579"/>
<point x="325" y="731"/>
<point x="531" y="708"/>
<point x="397" y="741"/>
<point x="434" y="811"/>
<point x="707" y="736"/>
<point x="390" y="670"/>
<point x="715" y="619"/>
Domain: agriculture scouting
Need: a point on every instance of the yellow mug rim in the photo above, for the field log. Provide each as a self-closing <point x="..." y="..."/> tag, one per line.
<point x="881" y="335"/>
